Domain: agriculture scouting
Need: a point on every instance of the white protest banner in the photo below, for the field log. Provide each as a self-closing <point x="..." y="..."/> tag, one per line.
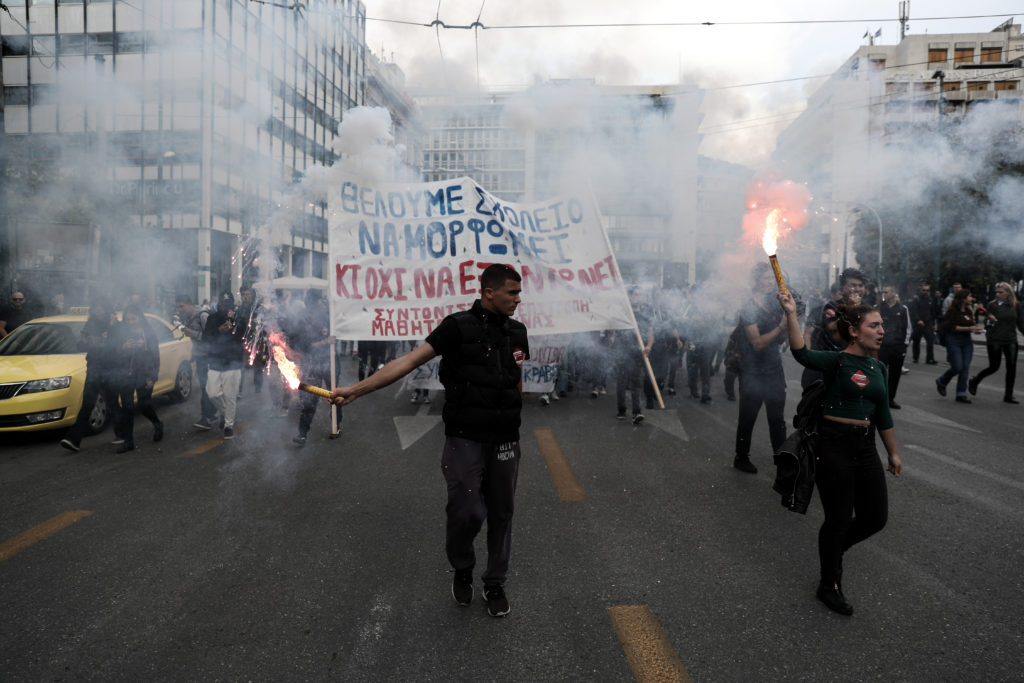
<point x="405" y="256"/>
<point x="539" y="373"/>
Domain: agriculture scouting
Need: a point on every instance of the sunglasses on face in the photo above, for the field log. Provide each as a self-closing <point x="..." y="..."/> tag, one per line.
<point x="17" y="298"/>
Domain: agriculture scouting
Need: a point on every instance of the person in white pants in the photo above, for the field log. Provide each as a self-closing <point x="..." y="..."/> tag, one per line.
<point x="226" y="336"/>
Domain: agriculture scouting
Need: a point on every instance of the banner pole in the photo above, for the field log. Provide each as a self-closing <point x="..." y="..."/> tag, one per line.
<point x="334" y="407"/>
<point x="629" y="304"/>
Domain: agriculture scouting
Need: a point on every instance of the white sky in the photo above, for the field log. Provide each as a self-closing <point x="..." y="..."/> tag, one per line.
<point x="740" y="123"/>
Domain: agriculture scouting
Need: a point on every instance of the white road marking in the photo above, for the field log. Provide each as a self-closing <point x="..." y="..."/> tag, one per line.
<point x="918" y="416"/>
<point x="667" y="421"/>
<point x="973" y="469"/>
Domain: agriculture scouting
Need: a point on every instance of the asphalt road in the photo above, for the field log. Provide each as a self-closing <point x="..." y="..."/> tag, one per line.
<point x="256" y="560"/>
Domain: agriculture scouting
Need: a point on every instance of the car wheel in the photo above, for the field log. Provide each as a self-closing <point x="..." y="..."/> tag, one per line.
<point x="100" y="415"/>
<point x="182" y="383"/>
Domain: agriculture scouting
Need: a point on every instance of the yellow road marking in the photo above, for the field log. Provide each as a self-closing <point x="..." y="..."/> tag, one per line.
<point x="12" y="547"/>
<point x="566" y="482"/>
<point x="214" y="442"/>
<point x="647" y="649"/>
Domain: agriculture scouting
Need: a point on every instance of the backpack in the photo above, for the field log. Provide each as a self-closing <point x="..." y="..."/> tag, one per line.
<point x="733" y="355"/>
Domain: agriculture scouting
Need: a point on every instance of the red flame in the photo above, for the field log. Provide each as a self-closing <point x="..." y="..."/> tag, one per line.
<point x="288" y="369"/>
<point x="774" y="207"/>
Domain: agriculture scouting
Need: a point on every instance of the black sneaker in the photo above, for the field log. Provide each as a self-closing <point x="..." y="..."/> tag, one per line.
<point x="940" y="386"/>
<point x="462" y="586"/>
<point x="125" y="447"/>
<point x="158" y="431"/>
<point x="203" y="424"/>
<point x="972" y="386"/>
<point x="300" y="440"/>
<point x="621" y="415"/>
<point x="229" y="433"/>
<point x="743" y="464"/>
<point x="70" y="445"/>
<point x="638" y="418"/>
<point x="497" y="603"/>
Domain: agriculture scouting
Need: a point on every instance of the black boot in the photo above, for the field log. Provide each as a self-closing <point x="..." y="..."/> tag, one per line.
<point x="832" y="595"/>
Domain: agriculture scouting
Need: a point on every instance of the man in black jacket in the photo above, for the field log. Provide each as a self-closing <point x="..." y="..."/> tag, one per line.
<point x="97" y="372"/>
<point x="482" y="353"/>
<point x="922" y="315"/>
<point x="896" y="323"/>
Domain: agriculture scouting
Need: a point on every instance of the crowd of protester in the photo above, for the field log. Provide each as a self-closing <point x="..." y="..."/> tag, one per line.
<point x="683" y="336"/>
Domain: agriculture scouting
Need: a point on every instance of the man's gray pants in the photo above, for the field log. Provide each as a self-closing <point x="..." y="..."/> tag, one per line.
<point x="481" y="481"/>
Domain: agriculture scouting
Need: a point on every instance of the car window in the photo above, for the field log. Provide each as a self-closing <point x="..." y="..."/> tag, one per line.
<point x="41" y="339"/>
<point x="162" y="332"/>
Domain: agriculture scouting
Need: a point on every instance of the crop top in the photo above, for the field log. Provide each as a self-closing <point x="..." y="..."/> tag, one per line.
<point x="858" y="388"/>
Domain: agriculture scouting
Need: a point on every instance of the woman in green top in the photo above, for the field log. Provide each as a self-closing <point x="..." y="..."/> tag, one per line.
<point x="848" y="473"/>
<point x="1002" y="322"/>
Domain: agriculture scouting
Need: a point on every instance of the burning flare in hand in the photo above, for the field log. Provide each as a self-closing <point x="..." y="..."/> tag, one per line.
<point x="289" y="370"/>
<point x="770" y="242"/>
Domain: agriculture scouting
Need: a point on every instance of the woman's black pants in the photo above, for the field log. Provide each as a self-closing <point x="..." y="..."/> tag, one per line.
<point x="757" y="389"/>
<point x="851" y="484"/>
<point x="125" y="415"/>
<point x="996" y="352"/>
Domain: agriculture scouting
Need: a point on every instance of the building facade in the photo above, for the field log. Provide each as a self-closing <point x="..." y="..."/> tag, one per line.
<point x="635" y="146"/>
<point x="158" y="136"/>
<point x="885" y="96"/>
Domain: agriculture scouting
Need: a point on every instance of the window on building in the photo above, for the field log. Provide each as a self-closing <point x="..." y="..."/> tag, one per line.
<point x="924" y="86"/>
<point x="991" y="54"/>
<point x="1006" y="85"/>
<point x="895" y="87"/>
<point x="937" y="54"/>
<point x="977" y="86"/>
<point x="963" y="55"/>
<point x="951" y="86"/>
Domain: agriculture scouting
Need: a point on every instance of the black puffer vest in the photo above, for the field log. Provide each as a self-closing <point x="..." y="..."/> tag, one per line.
<point x="481" y="379"/>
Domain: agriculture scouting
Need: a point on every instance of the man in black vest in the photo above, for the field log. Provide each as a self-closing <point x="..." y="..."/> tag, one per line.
<point x="482" y="352"/>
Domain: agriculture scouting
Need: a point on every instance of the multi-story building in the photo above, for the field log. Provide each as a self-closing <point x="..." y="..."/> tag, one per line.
<point x="146" y="142"/>
<point x="879" y="98"/>
<point x="385" y="88"/>
<point x="637" y="147"/>
<point x="721" y="205"/>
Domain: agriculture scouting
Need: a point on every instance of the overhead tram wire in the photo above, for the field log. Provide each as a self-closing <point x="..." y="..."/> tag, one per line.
<point x="476" y="41"/>
<point x="437" y="22"/>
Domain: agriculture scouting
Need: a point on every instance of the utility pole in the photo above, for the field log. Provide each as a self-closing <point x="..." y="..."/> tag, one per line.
<point x="6" y="257"/>
<point x="904" y="18"/>
<point x="939" y="75"/>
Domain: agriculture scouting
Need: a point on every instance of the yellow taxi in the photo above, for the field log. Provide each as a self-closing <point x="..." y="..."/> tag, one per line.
<point x="42" y="372"/>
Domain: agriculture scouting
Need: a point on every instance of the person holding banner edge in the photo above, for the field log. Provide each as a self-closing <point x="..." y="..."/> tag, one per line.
<point x="482" y="353"/>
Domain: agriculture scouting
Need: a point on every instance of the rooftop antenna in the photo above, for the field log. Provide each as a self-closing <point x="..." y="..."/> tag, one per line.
<point x="904" y="18"/>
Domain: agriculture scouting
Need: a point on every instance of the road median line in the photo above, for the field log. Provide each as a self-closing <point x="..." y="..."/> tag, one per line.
<point x="12" y="547"/>
<point x="646" y="646"/>
<point x="566" y="482"/>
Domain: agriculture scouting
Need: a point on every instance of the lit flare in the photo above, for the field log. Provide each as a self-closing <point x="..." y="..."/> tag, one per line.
<point x="770" y="242"/>
<point x="290" y="371"/>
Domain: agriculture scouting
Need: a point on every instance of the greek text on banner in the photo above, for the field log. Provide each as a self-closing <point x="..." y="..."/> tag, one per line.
<point x="405" y="256"/>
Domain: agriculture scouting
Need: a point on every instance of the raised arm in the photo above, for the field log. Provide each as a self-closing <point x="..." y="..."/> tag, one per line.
<point x="393" y="371"/>
<point x="796" y="339"/>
